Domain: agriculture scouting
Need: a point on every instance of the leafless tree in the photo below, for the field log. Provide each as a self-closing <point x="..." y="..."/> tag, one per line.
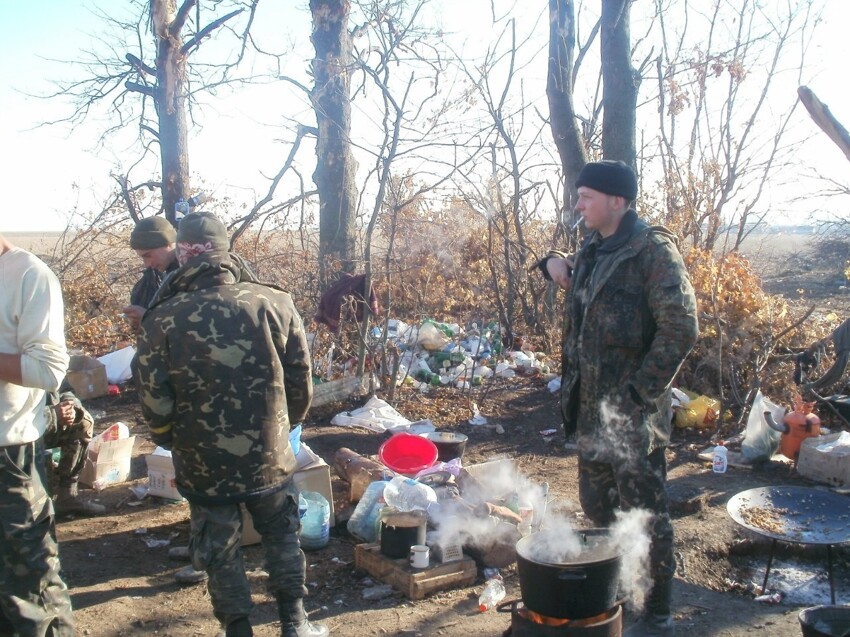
<point x="154" y="83"/>
<point x="718" y="155"/>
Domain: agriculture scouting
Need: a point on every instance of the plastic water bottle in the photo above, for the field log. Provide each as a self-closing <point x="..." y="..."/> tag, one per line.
<point x="302" y="507"/>
<point x="407" y="494"/>
<point x="493" y="593"/>
<point x="315" y="527"/>
<point x="181" y="208"/>
<point x="363" y="523"/>
<point x="721" y="458"/>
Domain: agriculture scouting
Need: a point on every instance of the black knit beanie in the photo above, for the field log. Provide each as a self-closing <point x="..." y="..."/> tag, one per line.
<point x="151" y="233"/>
<point x="610" y="177"/>
<point x="203" y="228"/>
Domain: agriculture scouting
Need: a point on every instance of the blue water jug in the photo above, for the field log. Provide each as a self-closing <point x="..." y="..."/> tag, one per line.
<point x="315" y="524"/>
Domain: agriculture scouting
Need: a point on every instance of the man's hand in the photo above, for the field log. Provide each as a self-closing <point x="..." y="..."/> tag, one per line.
<point x="66" y="413"/>
<point x="561" y="271"/>
<point x="134" y="314"/>
<point x="556" y="266"/>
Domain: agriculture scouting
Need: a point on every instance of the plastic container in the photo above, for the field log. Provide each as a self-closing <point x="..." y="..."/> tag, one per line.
<point x="407" y="494"/>
<point x="315" y="527"/>
<point x="364" y="522"/>
<point x="408" y="453"/>
<point x="721" y="459"/>
<point x="295" y="439"/>
<point x="181" y="208"/>
<point x="493" y="593"/>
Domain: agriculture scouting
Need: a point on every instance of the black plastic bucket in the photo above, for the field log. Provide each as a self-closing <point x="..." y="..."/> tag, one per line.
<point x="825" y="621"/>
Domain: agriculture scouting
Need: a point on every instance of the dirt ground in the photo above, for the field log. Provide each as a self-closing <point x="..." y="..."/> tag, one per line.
<point x="120" y="586"/>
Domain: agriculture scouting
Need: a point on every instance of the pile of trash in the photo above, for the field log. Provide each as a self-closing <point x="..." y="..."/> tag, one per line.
<point x="481" y="510"/>
<point x="435" y="354"/>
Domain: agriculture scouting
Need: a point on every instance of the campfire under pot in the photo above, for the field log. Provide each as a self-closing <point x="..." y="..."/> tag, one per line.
<point x="527" y="623"/>
<point x="568" y="580"/>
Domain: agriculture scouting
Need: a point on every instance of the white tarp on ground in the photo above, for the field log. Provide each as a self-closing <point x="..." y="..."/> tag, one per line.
<point x="377" y="415"/>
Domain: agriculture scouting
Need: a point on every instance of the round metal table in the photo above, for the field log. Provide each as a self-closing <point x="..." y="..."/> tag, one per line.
<point x="798" y="515"/>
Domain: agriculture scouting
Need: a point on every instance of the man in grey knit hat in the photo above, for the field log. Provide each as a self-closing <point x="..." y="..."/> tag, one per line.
<point x="154" y="240"/>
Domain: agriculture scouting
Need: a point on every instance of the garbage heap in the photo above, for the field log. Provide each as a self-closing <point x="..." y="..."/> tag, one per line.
<point x="481" y="510"/>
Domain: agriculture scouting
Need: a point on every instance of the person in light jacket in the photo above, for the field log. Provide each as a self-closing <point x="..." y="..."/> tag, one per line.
<point x="34" y="601"/>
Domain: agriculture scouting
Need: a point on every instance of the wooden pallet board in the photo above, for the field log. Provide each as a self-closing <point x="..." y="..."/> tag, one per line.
<point x="414" y="583"/>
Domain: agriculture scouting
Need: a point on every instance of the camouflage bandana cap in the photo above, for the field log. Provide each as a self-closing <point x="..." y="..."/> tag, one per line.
<point x="201" y="232"/>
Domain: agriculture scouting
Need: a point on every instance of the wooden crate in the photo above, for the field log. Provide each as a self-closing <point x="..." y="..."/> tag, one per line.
<point x="414" y="583"/>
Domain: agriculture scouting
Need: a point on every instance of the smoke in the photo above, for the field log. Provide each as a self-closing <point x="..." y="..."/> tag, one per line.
<point x="630" y="536"/>
<point x="612" y="442"/>
<point x="495" y="481"/>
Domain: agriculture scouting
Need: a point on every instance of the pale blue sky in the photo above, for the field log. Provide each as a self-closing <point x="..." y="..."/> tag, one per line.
<point x="39" y="166"/>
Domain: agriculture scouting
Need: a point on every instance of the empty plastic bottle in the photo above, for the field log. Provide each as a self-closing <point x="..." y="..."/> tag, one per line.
<point x="493" y="593"/>
<point x="407" y="494"/>
<point x="363" y="523"/>
<point x="721" y="459"/>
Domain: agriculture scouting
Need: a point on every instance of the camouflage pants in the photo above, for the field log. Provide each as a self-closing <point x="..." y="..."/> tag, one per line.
<point x="33" y="598"/>
<point x="73" y="442"/>
<point x="215" y="547"/>
<point x="638" y="484"/>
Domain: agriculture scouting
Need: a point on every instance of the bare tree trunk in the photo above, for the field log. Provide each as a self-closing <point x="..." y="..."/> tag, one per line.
<point x="335" y="167"/>
<point x="620" y="84"/>
<point x="559" y="89"/>
<point x="170" y="100"/>
<point x="824" y="118"/>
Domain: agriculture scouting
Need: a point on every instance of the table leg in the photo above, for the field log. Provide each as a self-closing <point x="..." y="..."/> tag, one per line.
<point x="831" y="580"/>
<point x="769" y="563"/>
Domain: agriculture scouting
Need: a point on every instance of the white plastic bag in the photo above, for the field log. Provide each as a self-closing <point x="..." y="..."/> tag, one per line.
<point x="760" y="440"/>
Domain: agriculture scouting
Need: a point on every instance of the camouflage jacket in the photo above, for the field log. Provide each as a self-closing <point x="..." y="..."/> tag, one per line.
<point x="82" y="416"/>
<point x="223" y="367"/>
<point x="630" y="322"/>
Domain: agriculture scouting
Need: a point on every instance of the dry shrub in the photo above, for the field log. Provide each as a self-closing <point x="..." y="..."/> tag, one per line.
<point x="446" y="265"/>
<point x="747" y="337"/>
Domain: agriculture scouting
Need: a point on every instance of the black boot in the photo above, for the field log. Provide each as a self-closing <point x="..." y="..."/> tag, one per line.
<point x="239" y="628"/>
<point x="294" y="623"/>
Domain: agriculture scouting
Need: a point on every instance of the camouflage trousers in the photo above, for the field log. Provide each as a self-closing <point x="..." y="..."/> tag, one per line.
<point x="215" y="547"/>
<point x="637" y="484"/>
<point x="72" y="441"/>
<point x="33" y="598"/>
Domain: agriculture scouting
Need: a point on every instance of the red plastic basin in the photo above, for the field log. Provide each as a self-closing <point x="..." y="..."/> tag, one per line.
<point x="408" y="454"/>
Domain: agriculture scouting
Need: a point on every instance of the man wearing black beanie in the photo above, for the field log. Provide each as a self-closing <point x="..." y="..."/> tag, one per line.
<point x="630" y="321"/>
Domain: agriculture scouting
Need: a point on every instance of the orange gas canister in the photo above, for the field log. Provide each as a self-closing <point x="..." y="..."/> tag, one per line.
<point x="800" y="424"/>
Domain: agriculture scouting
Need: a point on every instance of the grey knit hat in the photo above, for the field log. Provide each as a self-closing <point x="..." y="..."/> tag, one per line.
<point x="610" y="177"/>
<point x="151" y="233"/>
<point x="203" y="228"/>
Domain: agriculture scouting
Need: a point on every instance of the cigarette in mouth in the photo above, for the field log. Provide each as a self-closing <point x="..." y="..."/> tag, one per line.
<point x="577" y="224"/>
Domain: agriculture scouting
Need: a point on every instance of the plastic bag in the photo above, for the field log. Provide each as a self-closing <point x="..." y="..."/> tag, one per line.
<point x="700" y="413"/>
<point x="760" y="441"/>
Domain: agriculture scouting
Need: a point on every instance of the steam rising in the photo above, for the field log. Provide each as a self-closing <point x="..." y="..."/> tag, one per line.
<point x="630" y="535"/>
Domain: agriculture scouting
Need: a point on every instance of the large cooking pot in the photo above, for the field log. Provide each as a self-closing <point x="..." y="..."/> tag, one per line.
<point x="568" y="580"/>
<point x="449" y="445"/>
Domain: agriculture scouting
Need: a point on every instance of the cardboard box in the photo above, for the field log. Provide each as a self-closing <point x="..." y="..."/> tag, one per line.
<point x="161" y="475"/>
<point x="313" y="474"/>
<point x="108" y="463"/>
<point x="87" y="376"/>
<point x="821" y="463"/>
